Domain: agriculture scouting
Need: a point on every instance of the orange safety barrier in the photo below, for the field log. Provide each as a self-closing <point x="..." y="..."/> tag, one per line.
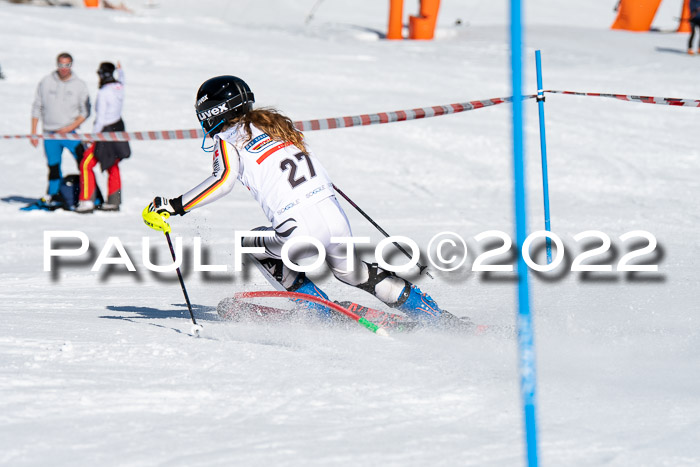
<point x="423" y="26"/>
<point x="92" y="3"/>
<point x="684" y="25"/>
<point x="395" y="20"/>
<point x="636" y="15"/>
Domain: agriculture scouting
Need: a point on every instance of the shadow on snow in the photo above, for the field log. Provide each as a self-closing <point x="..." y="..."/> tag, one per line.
<point x="201" y="312"/>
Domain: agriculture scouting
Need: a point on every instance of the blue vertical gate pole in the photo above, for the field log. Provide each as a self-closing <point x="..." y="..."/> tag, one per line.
<point x="526" y="345"/>
<point x="543" y="149"/>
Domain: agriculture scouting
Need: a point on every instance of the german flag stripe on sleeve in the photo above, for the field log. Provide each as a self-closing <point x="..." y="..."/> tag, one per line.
<point x="214" y="186"/>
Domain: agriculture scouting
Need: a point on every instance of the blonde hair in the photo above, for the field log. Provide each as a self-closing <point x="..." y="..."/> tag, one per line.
<point x="270" y="121"/>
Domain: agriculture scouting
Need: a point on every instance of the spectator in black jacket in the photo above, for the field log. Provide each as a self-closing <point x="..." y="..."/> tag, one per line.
<point x="694" y="24"/>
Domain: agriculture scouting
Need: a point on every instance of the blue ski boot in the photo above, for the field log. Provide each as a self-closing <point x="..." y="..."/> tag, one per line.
<point x="418" y="305"/>
<point x="421" y="307"/>
<point x="304" y="285"/>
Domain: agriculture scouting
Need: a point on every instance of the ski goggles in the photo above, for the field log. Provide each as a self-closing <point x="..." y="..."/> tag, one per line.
<point x="64" y="65"/>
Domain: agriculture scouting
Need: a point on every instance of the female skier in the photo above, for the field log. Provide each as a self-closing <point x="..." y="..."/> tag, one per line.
<point x="263" y="149"/>
<point x="108" y="107"/>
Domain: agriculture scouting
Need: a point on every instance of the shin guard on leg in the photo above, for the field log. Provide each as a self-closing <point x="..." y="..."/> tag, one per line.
<point x="400" y="294"/>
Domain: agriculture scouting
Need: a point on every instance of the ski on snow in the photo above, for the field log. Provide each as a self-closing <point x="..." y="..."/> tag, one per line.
<point x="237" y="309"/>
<point x="234" y="309"/>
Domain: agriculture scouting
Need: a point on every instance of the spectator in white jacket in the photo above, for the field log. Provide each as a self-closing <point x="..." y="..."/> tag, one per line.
<point x="108" y="107"/>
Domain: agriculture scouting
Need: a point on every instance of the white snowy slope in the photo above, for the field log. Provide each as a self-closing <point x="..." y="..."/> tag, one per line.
<point x="98" y="368"/>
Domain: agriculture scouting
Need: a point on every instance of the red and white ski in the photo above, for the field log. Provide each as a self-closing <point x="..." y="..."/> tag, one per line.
<point x="237" y="309"/>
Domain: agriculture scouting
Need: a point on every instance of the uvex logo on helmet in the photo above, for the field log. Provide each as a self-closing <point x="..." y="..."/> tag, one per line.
<point x="219" y="109"/>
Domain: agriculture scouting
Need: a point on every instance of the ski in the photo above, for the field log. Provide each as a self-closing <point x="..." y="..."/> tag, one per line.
<point x="447" y="322"/>
<point x="392" y="321"/>
<point x="233" y="309"/>
<point x="41" y="205"/>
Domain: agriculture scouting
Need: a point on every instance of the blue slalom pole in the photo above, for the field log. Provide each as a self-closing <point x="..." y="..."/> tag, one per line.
<point x="526" y="345"/>
<point x="543" y="149"/>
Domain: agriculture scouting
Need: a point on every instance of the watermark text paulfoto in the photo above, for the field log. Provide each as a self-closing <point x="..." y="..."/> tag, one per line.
<point x="447" y="252"/>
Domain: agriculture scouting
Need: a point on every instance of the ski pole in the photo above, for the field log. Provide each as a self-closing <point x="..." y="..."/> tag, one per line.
<point x="310" y="16"/>
<point x="364" y="214"/>
<point x="543" y="150"/>
<point x="156" y="221"/>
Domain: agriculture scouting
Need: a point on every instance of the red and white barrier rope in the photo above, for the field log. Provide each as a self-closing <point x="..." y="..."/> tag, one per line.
<point x="642" y="99"/>
<point x="117" y="135"/>
<point x="356" y="120"/>
<point x="308" y="125"/>
<point x="400" y="115"/>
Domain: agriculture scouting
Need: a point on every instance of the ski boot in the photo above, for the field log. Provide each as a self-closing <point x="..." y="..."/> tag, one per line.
<point x="85" y="207"/>
<point x="112" y="203"/>
<point x="417" y="304"/>
<point x="304" y="285"/>
<point x="421" y="307"/>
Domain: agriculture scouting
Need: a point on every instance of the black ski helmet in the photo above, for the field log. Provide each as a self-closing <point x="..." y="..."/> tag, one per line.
<point x="106" y="72"/>
<point x="222" y="98"/>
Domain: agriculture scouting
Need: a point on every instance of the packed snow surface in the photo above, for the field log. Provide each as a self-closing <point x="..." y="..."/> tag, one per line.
<point x="100" y="368"/>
